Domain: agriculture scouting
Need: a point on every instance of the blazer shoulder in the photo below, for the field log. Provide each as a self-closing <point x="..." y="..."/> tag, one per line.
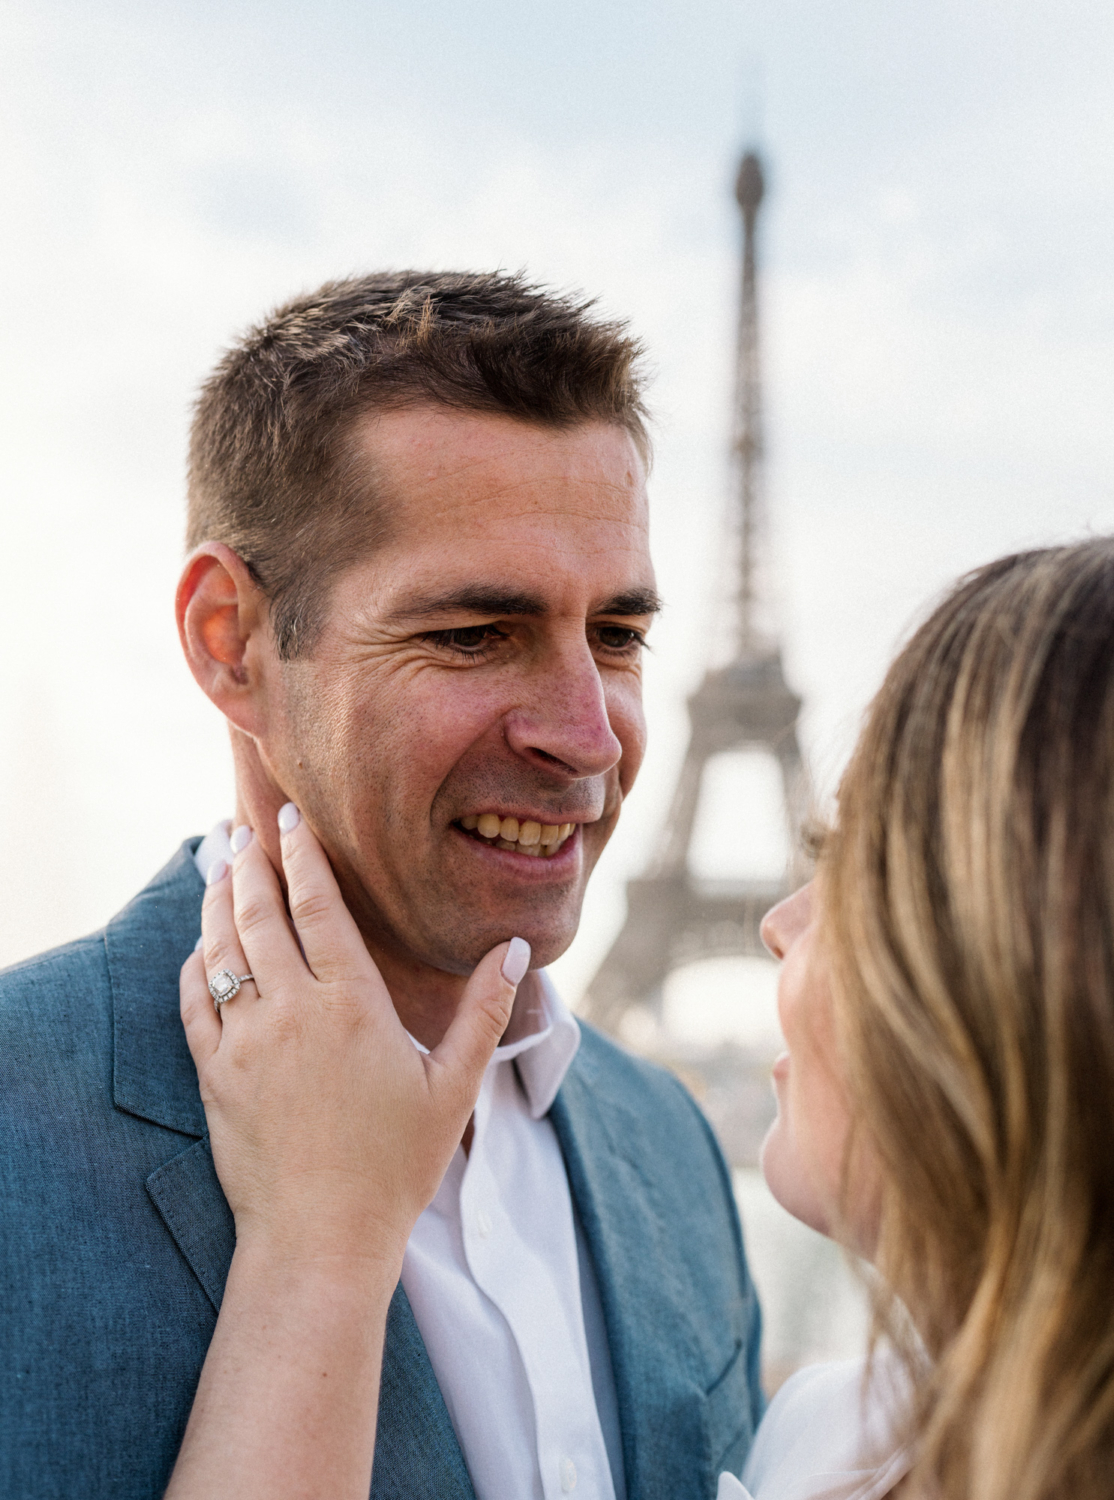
<point x="56" y="1008"/>
<point x="55" y="1054"/>
<point x="56" y="978"/>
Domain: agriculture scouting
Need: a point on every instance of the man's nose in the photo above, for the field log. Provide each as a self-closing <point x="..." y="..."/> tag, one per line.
<point x="565" y="721"/>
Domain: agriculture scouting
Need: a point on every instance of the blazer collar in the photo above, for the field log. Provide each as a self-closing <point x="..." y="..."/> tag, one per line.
<point x="153" y="1075"/>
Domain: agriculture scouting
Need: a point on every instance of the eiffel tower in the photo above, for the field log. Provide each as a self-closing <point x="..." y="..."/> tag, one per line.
<point x="672" y="917"/>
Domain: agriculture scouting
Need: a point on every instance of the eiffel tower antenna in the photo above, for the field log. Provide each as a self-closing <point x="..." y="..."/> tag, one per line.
<point x="672" y="917"/>
<point x="747" y="438"/>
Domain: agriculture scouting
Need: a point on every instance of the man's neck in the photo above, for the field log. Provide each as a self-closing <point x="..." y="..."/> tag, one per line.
<point x="425" y="999"/>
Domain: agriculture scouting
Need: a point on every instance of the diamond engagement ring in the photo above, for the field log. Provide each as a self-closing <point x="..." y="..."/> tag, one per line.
<point x="224" y="985"/>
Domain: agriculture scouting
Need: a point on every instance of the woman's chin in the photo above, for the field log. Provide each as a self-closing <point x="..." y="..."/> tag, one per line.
<point x="786" y="1180"/>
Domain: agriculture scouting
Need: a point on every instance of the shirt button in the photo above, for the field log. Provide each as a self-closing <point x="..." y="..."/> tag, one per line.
<point x="568" y="1475"/>
<point x="483" y="1224"/>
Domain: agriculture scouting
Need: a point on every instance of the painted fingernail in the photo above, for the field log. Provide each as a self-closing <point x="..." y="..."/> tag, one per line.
<point x="289" y="817"/>
<point x="217" y="871"/>
<point x="241" y="838"/>
<point x="517" y="960"/>
<point x="200" y="940"/>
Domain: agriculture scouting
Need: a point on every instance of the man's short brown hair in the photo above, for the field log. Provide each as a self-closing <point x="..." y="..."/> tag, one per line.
<point x="271" y="473"/>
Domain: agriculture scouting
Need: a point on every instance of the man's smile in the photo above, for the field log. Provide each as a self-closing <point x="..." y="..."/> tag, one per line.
<point x="519" y="836"/>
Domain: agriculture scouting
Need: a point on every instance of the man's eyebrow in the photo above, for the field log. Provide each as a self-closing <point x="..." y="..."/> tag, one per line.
<point x="631" y="602"/>
<point x="475" y="599"/>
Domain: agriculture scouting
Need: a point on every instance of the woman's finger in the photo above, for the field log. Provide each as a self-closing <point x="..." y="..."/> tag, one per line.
<point x="481" y="1019"/>
<point x="334" y="949"/>
<point x="262" y="926"/>
<point x="199" y="1017"/>
<point x="220" y="942"/>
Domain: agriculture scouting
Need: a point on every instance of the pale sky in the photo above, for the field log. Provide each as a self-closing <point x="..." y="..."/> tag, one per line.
<point x="938" y="322"/>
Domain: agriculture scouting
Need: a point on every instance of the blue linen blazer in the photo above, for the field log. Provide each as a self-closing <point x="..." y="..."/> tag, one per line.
<point x="115" y="1241"/>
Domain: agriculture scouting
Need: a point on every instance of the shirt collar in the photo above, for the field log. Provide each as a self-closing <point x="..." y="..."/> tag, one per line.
<point x="543" y="1035"/>
<point x="545" y="1052"/>
<point x="215" y="845"/>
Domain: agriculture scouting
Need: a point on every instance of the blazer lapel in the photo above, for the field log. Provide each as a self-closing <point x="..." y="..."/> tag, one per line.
<point x="649" y="1314"/>
<point x="417" y="1456"/>
<point x="188" y="1195"/>
<point x="153" y="1075"/>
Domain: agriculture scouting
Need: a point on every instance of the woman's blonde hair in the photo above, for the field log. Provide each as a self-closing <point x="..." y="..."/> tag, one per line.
<point x="969" y="904"/>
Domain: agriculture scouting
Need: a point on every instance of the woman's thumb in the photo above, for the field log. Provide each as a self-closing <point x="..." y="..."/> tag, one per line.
<point x="483" y="1015"/>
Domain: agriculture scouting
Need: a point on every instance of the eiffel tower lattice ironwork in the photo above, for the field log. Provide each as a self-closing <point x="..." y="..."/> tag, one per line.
<point x="673" y="918"/>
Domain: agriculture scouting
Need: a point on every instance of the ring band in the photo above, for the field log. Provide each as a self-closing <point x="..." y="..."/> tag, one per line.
<point x="225" y="986"/>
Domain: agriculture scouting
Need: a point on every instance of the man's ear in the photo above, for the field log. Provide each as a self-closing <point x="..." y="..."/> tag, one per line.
<point x="223" y="624"/>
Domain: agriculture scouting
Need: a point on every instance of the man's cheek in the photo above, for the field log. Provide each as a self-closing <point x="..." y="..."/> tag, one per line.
<point x="438" y="731"/>
<point x="630" y="730"/>
<point x="595" y="838"/>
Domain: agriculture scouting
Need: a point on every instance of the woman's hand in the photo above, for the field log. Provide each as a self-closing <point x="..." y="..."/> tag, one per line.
<point x="330" y="1132"/>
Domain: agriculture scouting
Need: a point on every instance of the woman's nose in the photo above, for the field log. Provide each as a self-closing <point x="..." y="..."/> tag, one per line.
<point x="768" y="932"/>
<point x="783" y="922"/>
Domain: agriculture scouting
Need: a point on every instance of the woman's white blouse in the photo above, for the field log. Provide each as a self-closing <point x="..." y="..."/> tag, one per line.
<point x="826" y="1438"/>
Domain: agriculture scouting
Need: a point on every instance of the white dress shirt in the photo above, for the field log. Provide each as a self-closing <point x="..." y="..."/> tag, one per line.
<point x="500" y="1282"/>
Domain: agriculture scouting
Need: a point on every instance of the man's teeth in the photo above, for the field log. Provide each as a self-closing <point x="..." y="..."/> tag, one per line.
<point x="536" y="839"/>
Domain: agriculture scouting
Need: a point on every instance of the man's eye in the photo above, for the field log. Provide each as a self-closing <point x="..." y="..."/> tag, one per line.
<point x="468" y="640"/>
<point x="619" y="637"/>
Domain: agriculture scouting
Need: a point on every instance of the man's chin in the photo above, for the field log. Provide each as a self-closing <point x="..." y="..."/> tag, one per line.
<point x="460" y="952"/>
<point x="450" y="924"/>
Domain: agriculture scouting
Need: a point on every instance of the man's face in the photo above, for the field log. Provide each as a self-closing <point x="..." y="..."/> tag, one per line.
<point x="482" y="664"/>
